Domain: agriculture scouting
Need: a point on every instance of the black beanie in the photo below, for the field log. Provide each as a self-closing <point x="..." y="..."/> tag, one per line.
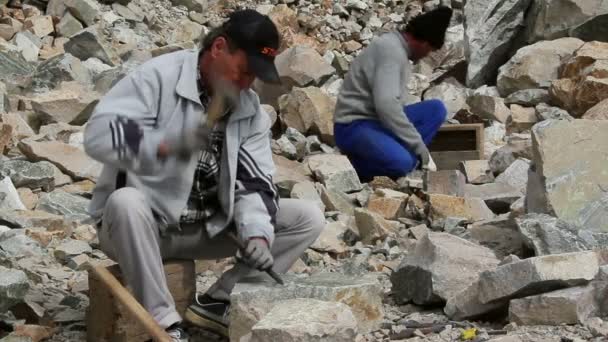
<point x="431" y="26"/>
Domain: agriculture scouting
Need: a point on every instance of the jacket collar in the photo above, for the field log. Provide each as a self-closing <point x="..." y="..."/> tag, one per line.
<point x="187" y="87"/>
<point x="406" y="46"/>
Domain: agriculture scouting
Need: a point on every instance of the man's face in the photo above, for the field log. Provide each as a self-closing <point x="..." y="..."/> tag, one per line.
<point x="231" y="66"/>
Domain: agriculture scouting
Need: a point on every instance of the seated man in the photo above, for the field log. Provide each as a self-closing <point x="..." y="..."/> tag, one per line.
<point x="174" y="182"/>
<point x="380" y="135"/>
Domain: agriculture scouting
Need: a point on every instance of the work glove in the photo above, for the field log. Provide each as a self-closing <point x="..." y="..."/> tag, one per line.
<point x="423" y="156"/>
<point x="257" y="254"/>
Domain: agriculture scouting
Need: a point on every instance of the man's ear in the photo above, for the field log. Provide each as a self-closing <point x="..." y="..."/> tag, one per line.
<point x="219" y="46"/>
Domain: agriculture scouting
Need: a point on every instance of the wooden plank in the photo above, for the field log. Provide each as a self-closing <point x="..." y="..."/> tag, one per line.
<point x="449" y="160"/>
<point x="459" y="137"/>
<point x="107" y="320"/>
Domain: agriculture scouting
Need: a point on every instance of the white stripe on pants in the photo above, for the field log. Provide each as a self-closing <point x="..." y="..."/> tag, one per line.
<point x="130" y="235"/>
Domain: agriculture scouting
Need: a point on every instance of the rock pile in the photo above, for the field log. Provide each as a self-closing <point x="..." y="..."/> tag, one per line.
<point x="516" y="239"/>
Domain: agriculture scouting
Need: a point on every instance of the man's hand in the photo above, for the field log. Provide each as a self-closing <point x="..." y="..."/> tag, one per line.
<point x="191" y="140"/>
<point x="257" y="254"/>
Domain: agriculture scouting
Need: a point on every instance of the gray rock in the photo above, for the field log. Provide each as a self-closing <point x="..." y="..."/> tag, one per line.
<point x="452" y="94"/>
<point x="549" y="235"/>
<point x="372" y="227"/>
<point x="28" y="44"/>
<point x="497" y="196"/>
<point x="490" y="29"/>
<point x="447" y="182"/>
<point x="306" y="320"/>
<point x="14" y="70"/>
<point x="537" y="275"/>
<point x="68" y="26"/>
<point x="501" y="159"/>
<point x="4" y="102"/>
<point x="9" y="197"/>
<point x="546" y="112"/>
<point x="131" y="12"/>
<point x="335" y="172"/>
<point x="499" y="234"/>
<point x="597" y="327"/>
<point x="71" y="248"/>
<point x="72" y="207"/>
<point x="285" y="148"/>
<point x="528" y="97"/>
<point x="70" y="103"/>
<point x="489" y="107"/>
<point x="535" y="66"/>
<point x="90" y="43"/>
<point x="28" y="219"/>
<point x="477" y="171"/>
<point x="516" y="175"/>
<point x="594" y="29"/>
<point x="251" y="301"/>
<point x="336" y="201"/>
<point x="466" y="305"/>
<point x="471" y="208"/>
<point x="85" y="10"/>
<point x="298" y="140"/>
<point x="568" y="306"/>
<point x="63" y="67"/>
<point x="330" y="240"/>
<point x="18" y="245"/>
<point x="13" y="287"/>
<point x="309" y="110"/>
<point x="441" y="266"/>
<point x="566" y="165"/>
<point x="307" y="191"/>
<point x="192" y="5"/>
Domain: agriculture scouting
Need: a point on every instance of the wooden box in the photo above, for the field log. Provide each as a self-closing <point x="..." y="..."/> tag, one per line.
<point x="108" y="321"/>
<point x="455" y="143"/>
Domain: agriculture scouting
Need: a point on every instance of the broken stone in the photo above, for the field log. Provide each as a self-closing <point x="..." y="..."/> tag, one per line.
<point x="68" y="159"/>
<point x="336" y="201"/>
<point x="389" y="204"/>
<point x="537" y="275"/>
<point x="309" y="110"/>
<point x="516" y="175"/>
<point x="285" y="148"/>
<point x="85" y="10"/>
<point x="307" y="191"/>
<point x="497" y="196"/>
<point x="451" y="93"/>
<point x="58" y="69"/>
<point x="441" y="266"/>
<point x="330" y="240"/>
<point x="9" y="197"/>
<point x="597" y="112"/>
<point x="372" y="227"/>
<point x="304" y="320"/>
<point x="191" y="5"/>
<point x="79" y="262"/>
<point x="489" y="34"/>
<point x="28" y="198"/>
<point x="89" y="43"/>
<point x="335" y="172"/>
<point x="546" y="112"/>
<point x="549" y="235"/>
<point x="502" y="158"/>
<point x="568" y="306"/>
<point x="20" y="128"/>
<point x="40" y="26"/>
<point x="71" y="103"/>
<point x="489" y="107"/>
<point x="6" y="134"/>
<point x="36" y="333"/>
<point x="477" y="171"/>
<point x="69" y="26"/>
<point x="71" y="248"/>
<point x="288" y="173"/>
<point x="473" y="209"/>
<point x="28" y="44"/>
<point x="466" y="305"/>
<point x="521" y="119"/>
<point x="250" y="302"/>
<point x="13" y="287"/>
<point x="528" y="97"/>
<point x="446" y="182"/>
<point x="131" y="12"/>
<point x="187" y="31"/>
<point x="536" y="65"/>
<point x="31" y="218"/>
<point x="499" y="234"/>
<point x="565" y="167"/>
<point x="72" y="207"/>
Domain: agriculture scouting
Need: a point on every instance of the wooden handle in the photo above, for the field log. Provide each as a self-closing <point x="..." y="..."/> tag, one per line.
<point x="131" y="304"/>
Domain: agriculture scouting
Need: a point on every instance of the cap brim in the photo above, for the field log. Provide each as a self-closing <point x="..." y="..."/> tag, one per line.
<point x="263" y="68"/>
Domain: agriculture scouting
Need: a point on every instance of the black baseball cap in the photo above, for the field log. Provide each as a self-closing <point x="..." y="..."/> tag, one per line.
<point x="257" y="35"/>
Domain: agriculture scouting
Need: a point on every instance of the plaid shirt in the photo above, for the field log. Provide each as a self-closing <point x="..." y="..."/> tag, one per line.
<point x="203" y="201"/>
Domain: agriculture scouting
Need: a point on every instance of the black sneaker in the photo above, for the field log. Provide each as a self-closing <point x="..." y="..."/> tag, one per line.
<point x="177" y="334"/>
<point x="209" y="313"/>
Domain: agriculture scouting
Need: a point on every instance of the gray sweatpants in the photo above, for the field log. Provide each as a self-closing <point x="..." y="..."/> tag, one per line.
<point x="130" y="236"/>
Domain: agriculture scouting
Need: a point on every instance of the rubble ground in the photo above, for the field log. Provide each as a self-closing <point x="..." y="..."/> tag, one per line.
<point x="508" y="248"/>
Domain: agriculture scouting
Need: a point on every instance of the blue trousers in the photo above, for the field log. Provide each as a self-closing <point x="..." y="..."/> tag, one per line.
<point x="376" y="151"/>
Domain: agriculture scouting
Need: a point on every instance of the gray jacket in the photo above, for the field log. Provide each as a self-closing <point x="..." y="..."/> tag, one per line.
<point x="160" y="98"/>
<point x="375" y="88"/>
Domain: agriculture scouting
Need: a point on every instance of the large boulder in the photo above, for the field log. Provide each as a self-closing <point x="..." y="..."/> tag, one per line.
<point x="545" y="235"/>
<point x="441" y="266"/>
<point x="72" y="207"/>
<point x="490" y="30"/>
<point x="549" y="19"/>
<point x="535" y="66"/>
<point x="595" y="28"/>
<point x="309" y="110"/>
<point x="13" y="287"/>
<point x="569" y="172"/>
<point x="71" y="103"/>
<point x="583" y="79"/>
